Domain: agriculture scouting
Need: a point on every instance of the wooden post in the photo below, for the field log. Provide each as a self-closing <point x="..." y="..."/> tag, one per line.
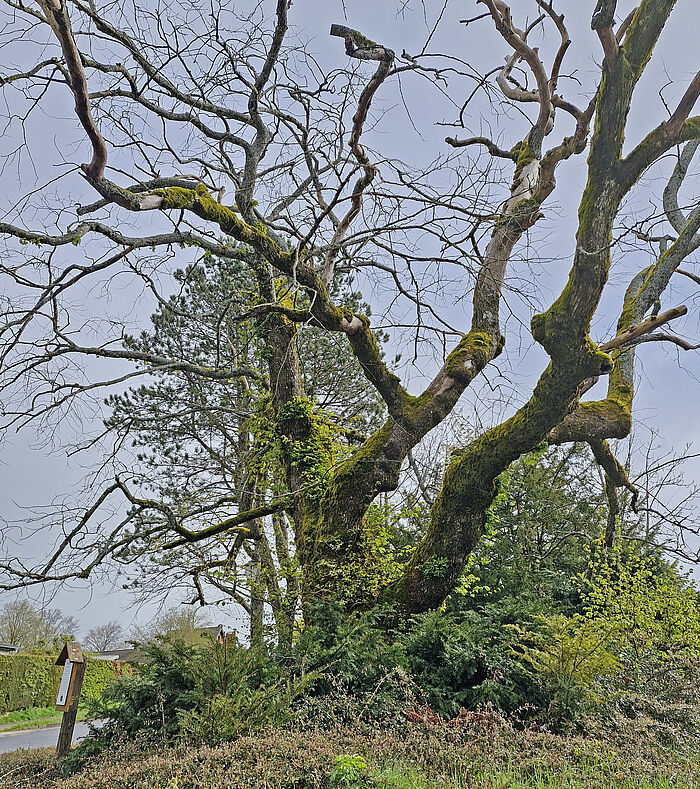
<point x="74" y="663"/>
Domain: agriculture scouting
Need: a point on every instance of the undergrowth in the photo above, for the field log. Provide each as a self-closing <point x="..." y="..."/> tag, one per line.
<point x="487" y="753"/>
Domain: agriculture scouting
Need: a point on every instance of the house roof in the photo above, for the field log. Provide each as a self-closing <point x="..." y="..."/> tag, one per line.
<point x="127" y="655"/>
<point x="215" y="632"/>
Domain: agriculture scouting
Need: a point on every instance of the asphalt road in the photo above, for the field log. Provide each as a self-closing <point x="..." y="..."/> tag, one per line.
<point x="36" y="738"/>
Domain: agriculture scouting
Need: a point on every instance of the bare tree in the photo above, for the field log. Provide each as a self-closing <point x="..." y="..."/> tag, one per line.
<point x="180" y="109"/>
<point x="174" y="621"/>
<point x="104" y="637"/>
<point x="27" y="626"/>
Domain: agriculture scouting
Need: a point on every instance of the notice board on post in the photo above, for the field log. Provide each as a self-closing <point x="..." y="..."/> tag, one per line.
<point x="71" y="658"/>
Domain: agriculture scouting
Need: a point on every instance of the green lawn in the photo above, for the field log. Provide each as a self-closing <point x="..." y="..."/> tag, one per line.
<point x="32" y="718"/>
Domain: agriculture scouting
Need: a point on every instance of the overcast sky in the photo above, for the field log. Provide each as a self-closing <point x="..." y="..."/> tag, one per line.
<point x="31" y="475"/>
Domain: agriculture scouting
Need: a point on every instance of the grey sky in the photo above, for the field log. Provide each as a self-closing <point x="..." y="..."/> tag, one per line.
<point x="32" y="476"/>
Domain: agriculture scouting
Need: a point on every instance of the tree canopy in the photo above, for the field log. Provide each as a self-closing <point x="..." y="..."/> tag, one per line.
<point x="247" y="188"/>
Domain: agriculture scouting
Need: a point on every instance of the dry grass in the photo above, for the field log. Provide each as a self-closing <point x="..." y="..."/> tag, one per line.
<point x="488" y="756"/>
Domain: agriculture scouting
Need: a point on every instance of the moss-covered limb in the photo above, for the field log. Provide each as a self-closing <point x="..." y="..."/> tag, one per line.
<point x="34" y="237"/>
<point x="613" y="468"/>
<point x="643" y="32"/>
<point x="612" y="417"/>
<point x="331" y="317"/>
<point x="484" y="340"/>
<point x="335" y="529"/>
<point x="359" y="46"/>
<point x="647" y="287"/>
<point x="366" y="349"/>
<point x="569" y="146"/>
<point x="563" y="328"/>
<point x="139" y="188"/>
<point x="517" y="217"/>
<point x="661" y="140"/>
<point x="469" y="486"/>
<point x="609" y="418"/>
<point x="634" y="332"/>
<point x="232" y="524"/>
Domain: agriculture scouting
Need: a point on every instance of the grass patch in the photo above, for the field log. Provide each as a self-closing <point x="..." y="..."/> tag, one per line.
<point x="401" y="777"/>
<point x="28" y="715"/>
<point x="32" y="718"/>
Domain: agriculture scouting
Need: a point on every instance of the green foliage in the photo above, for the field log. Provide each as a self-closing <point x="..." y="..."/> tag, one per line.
<point x="198" y="440"/>
<point x="205" y="693"/>
<point x="363" y="572"/>
<point x="568" y="657"/>
<point x="348" y="772"/>
<point x="27" y="681"/>
<point x="466" y="659"/>
<point x="98" y="676"/>
<point x="634" y="639"/>
<point x="435" y="567"/>
<point x="353" y="649"/>
<point x="548" y="509"/>
<point x="645" y="604"/>
<point x="448" y="660"/>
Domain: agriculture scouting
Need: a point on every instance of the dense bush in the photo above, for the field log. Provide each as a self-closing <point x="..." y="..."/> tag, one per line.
<point x="631" y="641"/>
<point x="205" y="693"/>
<point x="446" y="659"/>
<point x="629" y="647"/>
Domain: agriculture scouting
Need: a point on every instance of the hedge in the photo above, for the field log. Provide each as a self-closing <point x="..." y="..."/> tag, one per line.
<point x="32" y="680"/>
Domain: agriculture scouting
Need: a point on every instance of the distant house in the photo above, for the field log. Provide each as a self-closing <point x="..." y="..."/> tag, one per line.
<point x="217" y="633"/>
<point x="134" y="655"/>
<point x="8" y="649"/>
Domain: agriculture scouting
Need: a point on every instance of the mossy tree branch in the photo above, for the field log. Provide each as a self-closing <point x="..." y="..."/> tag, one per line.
<point x="458" y="514"/>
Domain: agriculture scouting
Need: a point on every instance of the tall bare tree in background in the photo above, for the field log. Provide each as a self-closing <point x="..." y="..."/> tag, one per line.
<point x="28" y="627"/>
<point x="181" y="110"/>
<point x="103" y="637"/>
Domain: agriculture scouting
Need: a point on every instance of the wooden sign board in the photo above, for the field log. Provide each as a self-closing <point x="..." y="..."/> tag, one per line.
<point x="71" y="651"/>
<point x="70" y="658"/>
